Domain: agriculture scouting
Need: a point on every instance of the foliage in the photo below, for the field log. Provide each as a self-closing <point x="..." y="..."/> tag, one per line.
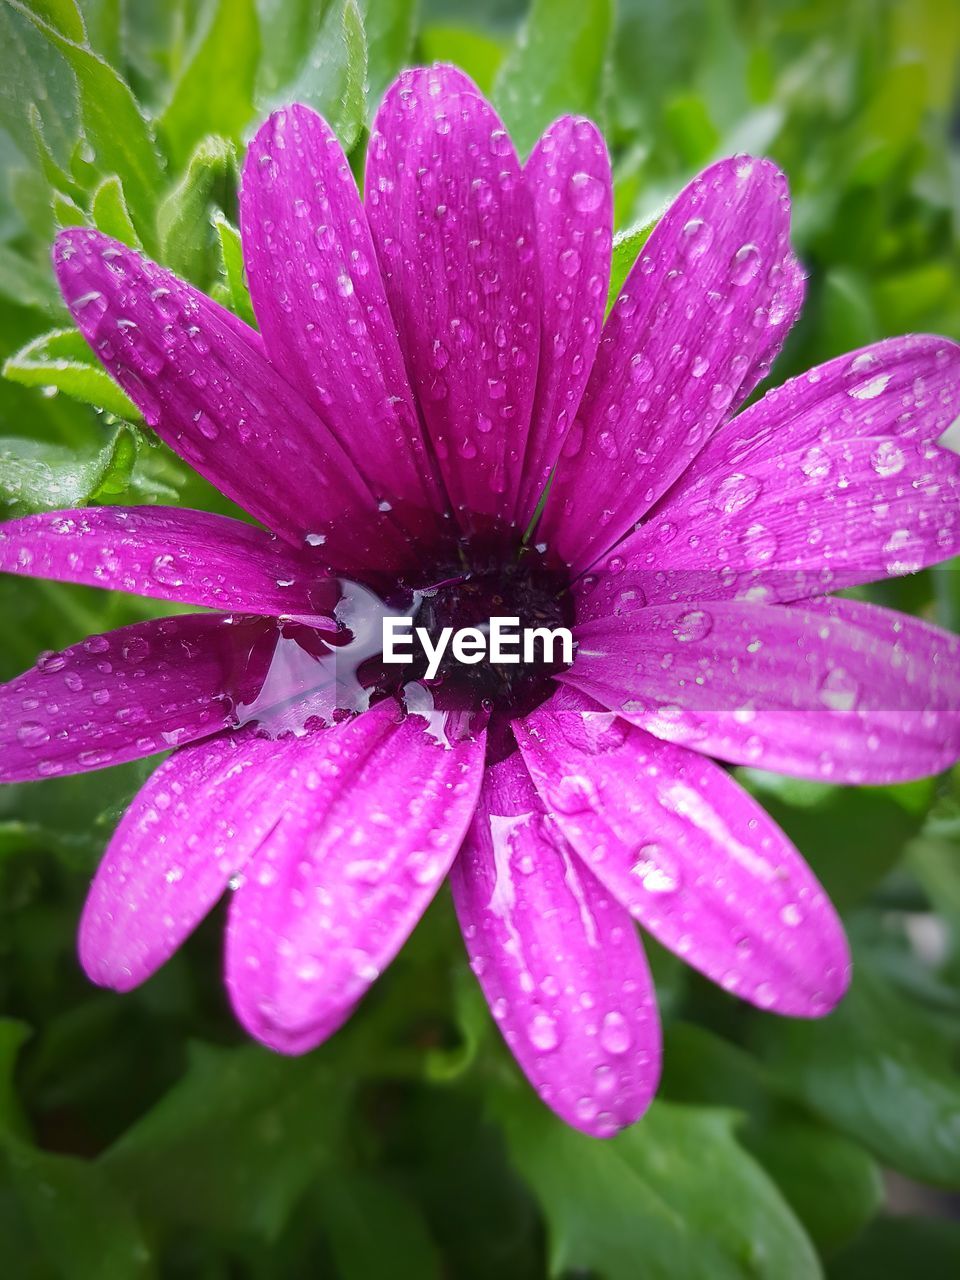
<point x="141" y="1136"/>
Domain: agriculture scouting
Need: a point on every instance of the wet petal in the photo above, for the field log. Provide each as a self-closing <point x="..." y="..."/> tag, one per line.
<point x="130" y="693"/>
<point x="568" y="174"/>
<point x="693" y="857"/>
<point x="319" y="298"/>
<point x="453" y="223"/>
<point x="834" y="479"/>
<point x="701" y="315"/>
<point x="559" y="961"/>
<point x="836" y="690"/>
<point x="202" y="381"/>
<point x="189" y="830"/>
<point x="168" y="553"/>
<point x="376" y="818"/>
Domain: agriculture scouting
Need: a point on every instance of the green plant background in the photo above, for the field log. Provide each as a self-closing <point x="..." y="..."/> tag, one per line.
<point x="140" y="1135"/>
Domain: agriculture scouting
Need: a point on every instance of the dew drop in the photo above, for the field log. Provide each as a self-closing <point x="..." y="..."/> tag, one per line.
<point x="693" y="625"/>
<point x="32" y="734"/>
<point x="586" y="1109"/>
<point x="838" y="690"/>
<point x="887" y="459"/>
<point x="697" y="238"/>
<point x="586" y="192"/>
<point x="164" y="570"/>
<point x="543" y="1033"/>
<point x="734" y="492"/>
<point x="745" y="265"/>
<point x="569" y="263"/>
<point x="871" y="389"/>
<point x="51" y="662"/>
<point x="655" y="870"/>
<point x="615" y="1033"/>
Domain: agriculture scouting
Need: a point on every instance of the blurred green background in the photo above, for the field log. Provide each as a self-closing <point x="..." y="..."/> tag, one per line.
<point x="140" y="1135"/>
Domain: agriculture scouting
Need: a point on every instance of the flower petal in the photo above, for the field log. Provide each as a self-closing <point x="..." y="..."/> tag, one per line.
<point x="454" y="228"/>
<point x="560" y="963"/>
<point x="834" y="479"/>
<point x="168" y="553"/>
<point x="702" y="314"/>
<point x="319" y="298"/>
<point x="568" y="175"/>
<point x="834" y="690"/>
<point x="369" y="834"/>
<point x="130" y="693"/>
<point x="189" y="830"/>
<point x="694" y="858"/>
<point x="201" y="379"/>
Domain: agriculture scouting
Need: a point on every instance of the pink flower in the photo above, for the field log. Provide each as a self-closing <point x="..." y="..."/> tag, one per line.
<point x="426" y="360"/>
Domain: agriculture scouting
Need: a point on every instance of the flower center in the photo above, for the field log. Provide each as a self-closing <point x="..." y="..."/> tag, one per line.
<point x="509" y="678"/>
<point x="295" y="677"/>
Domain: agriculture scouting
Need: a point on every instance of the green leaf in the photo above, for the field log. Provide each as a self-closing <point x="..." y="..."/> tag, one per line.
<point x="66" y="212"/>
<point x="62" y="360"/>
<point x="846" y="315"/>
<point x="557" y="65"/>
<point x="889" y="124"/>
<point x="28" y="284"/>
<point x="80" y="1224"/>
<point x="108" y="209"/>
<point x="214" y="93"/>
<point x="288" y="29"/>
<point x="67" y="1213"/>
<point x="64" y="16"/>
<point x="390" y="27"/>
<point x="35" y="476"/>
<point x="830" y="1182"/>
<point x="331" y="78"/>
<point x="184" y="223"/>
<point x="687" y="120"/>
<point x="13" y="1036"/>
<point x="675" y="1195"/>
<point x="233" y="1146"/>
<point x="55" y="174"/>
<point x="626" y="249"/>
<point x="235" y="290"/>
<point x="32" y="75"/>
<point x="881" y="1070"/>
<point x="473" y="1024"/>
<point x="893" y="1248"/>
<point x="104" y="21"/>
<point x="375" y="1231"/>
<point x="935" y="861"/>
<point x="475" y="52"/>
<point x="115" y="127"/>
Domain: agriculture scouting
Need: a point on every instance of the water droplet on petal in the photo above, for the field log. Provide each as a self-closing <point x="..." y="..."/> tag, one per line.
<point x="693" y="625"/>
<point x="745" y="265"/>
<point x="656" y="870"/>
<point x="164" y="570"/>
<point x="887" y="459"/>
<point x="543" y="1033"/>
<point x="32" y="734"/>
<point x="838" y="690"/>
<point x="734" y="492"/>
<point x="615" y="1033"/>
<point x="569" y="262"/>
<point x="586" y="192"/>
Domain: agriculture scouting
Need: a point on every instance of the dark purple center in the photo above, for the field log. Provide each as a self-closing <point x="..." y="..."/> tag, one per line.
<point x="522" y="587"/>
<point x="296" y="675"/>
